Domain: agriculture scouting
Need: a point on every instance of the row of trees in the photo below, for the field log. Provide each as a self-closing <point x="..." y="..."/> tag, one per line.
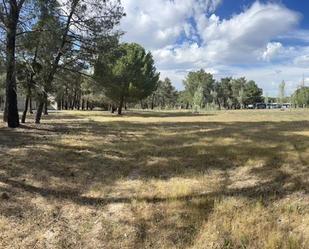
<point x="69" y="51"/>
<point x="165" y="96"/>
<point x="43" y="40"/>
<point x="202" y="90"/>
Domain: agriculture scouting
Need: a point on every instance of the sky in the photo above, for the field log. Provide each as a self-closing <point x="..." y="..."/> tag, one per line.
<point x="265" y="41"/>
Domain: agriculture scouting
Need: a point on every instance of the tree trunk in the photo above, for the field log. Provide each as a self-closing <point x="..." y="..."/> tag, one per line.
<point x="120" y="106"/>
<point x="83" y="104"/>
<point x="113" y="109"/>
<point x="66" y="104"/>
<point x="59" y="104"/>
<point x="78" y="100"/>
<point x="39" y="112"/>
<point x="11" y="94"/>
<point x="74" y="100"/>
<point x="55" y="64"/>
<point x="5" y="111"/>
<point x="152" y="102"/>
<point x="62" y="103"/>
<point x="40" y="107"/>
<point x="46" y="106"/>
<point x="30" y="105"/>
<point x="23" y="118"/>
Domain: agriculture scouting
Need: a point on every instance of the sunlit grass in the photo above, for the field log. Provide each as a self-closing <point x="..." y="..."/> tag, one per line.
<point x="228" y="179"/>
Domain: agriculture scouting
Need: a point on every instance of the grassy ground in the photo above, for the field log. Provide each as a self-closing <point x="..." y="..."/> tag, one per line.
<point x="237" y="179"/>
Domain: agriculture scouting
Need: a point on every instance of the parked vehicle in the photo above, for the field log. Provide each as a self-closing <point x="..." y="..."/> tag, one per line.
<point x="260" y="106"/>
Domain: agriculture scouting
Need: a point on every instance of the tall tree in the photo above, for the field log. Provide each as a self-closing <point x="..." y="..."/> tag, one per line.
<point x="84" y="24"/>
<point x="164" y="96"/>
<point x="9" y="17"/>
<point x="126" y="74"/>
<point x="224" y="92"/>
<point x="184" y="99"/>
<point x="266" y="99"/>
<point x="253" y="94"/>
<point x="2" y="90"/>
<point x="198" y="98"/>
<point x="2" y="84"/>
<point x="237" y="87"/>
<point x="281" y="94"/>
<point x="300" y="97"/>
<point x="197" y="79"/>
<point x="237" y="93"/>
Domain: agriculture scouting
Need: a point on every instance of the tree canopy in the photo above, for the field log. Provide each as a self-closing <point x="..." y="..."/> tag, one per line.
<point x="126" y="74"/>
<point x="227" y="93"/>
<point x="300" y="97"/>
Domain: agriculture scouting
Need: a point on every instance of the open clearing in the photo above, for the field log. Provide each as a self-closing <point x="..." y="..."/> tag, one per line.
<point x="229" y="179"/>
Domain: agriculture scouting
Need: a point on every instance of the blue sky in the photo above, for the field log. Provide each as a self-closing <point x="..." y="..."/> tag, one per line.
<point x="267" y="41"/>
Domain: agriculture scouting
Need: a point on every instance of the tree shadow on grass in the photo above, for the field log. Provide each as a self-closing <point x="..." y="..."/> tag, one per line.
<point x="163" y="151"/>
<point x="133" y="146"/>
<point x="166" y="114"/>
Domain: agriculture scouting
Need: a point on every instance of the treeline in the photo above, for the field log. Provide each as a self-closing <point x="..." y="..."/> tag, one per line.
<point x="203" y="91"/>
<point x="67" y="53"/>
<point x="49" y="45"/>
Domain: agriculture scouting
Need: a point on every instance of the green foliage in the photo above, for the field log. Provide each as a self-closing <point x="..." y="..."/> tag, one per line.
<point x="127" y="72"/>
<point x="184" y="99"/>
<point x="40" y="48"/>
<point x="238" y="92"/>
<point x="223" y="89"/>
<point x="165" y="96"/>
<point x="198" y="99"/>
<point x="228" y="93"/>
<point x="253" y="94"/>
<point x="300" y="97"/>
<point x="56" y="36"/>
<point x="281" y="95"/>
<point x="196" y="80"/>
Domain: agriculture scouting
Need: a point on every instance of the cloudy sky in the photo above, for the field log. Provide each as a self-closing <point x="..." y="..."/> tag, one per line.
<point x="267" y="41"/>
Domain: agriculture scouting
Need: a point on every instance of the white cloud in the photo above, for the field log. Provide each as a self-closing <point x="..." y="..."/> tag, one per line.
<point x="186" y="35"/>
<point x="159" y="23"/>
<point x="244" y="35"/>
<point x="272" y="49"/>
<point x="300" y="35"/>
<point x="241" y="39"/>
<point x="270" y="77"/>
<point x="302" y="61"/>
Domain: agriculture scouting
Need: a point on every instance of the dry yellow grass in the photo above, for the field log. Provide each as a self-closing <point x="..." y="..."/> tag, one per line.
<point x="229" y="179"/>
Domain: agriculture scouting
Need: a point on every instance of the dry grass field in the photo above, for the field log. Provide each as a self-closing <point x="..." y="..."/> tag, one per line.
<point x="229" y="179"/>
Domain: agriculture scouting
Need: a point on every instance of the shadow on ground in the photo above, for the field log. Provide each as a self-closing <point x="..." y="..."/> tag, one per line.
<point x="64" y="159"/>
<point x="106" y="153"/>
